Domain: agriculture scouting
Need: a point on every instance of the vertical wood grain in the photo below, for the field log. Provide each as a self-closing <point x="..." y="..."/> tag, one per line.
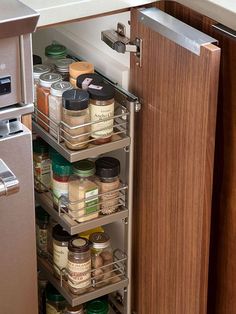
<point x="175" y="136"/>
<point x="27" y="121"/>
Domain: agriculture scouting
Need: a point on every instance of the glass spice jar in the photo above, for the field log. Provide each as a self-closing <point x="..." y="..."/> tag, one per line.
<point x="74" y="310"/>
<point x="62" y="170"/>
<point x="55" y="302"/>
<point x="62" y="67"/>
<point x="83" y="192"/>
<point x="42" y="222"/>
<point x="101" y="107"/>
<point x="43" y="91"/>
<point x="61" y="239"/>
<point x="78" y="68"/>
<point x="102" y="256"/>
<point x="107" y="172"/>
<point x="79" y="265"/>
<point x="98" y="306"/>
<point x="55" y="105"/>
<point x="42" y="283"/>
<point x="38" y="70"/>
<point x="85" y="80"/>
<point x="54" y="52"/>
<point x="75" y="114"/>
<point x="42" y="165"/>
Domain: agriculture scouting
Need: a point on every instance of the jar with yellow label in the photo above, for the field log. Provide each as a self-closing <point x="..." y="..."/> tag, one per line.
<point x="55" y="302"/>
<point x="78" y="68"/>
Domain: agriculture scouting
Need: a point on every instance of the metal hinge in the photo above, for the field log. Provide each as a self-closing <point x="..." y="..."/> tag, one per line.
<point x="117" y="40"/>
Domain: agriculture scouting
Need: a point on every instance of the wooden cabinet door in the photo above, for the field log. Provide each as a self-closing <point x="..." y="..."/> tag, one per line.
<point x="177" y="84"/>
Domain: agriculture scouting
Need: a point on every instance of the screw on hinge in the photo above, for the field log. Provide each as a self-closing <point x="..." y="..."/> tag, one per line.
<point x="125" y="220"/>
<point x="138" y="106"/>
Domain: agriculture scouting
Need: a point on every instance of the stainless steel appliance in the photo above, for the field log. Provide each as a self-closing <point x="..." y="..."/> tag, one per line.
<point x="18" y="270"/>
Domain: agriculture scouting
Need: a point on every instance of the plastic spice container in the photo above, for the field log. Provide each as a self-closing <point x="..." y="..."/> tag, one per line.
<point x="101" y="107"/>
<point x="55" y="104"/>
<point x="79" y="265"/>
<point x="43" y="91"/>
<point x="74" y="310"/>
<point x="55" y="303"/>
<point x="42" y="165"/>
<point x="82" y="187"/>
<point x="102" y="255"/>
<point x="42" y="221"/>
<point x="60" y="248"/>
<point x="85" y="80"/>
<point x="62" y="67"/>
<point x="98" y="306"/>
<point x="75" y="114"/>
<point x="54" y="52"/>
<point x="61" y="169"/>
<point x="78" y="68"/>
<point x="107" y="171"/>
<point x="38" y="70"/>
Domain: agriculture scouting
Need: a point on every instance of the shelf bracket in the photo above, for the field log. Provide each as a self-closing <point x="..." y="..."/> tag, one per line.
<point x="117" y="40"/>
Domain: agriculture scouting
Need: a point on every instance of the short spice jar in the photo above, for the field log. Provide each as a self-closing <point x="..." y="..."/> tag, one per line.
<point x="102" y="256"/>
<point x="85" y="80"/>
<point x="101" y="108"/>
<point x="107" y="172"/>
<point x="43" y="91"/>
<point x="55" y="302"/>
<point x="42" y="223"/>
<point x="62" y="67"/>
<point x="98" y="306"/>
<point x="54" y="52"/>
<point x="79" y="265"/>
<point x="38" y="70"/>
<point x="78" y="68"/>
<point x="61" y="239"/>
<point x="83" y="192"/>
<point x="42" y="165"/>
<point x="55" y="105"/>
<point x="61" y="170"/>
<point x="75" y="115"/>
<point x="74" y="310"/>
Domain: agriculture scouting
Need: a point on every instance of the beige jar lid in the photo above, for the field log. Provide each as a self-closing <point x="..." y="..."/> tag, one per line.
<point x="80" y="67"/>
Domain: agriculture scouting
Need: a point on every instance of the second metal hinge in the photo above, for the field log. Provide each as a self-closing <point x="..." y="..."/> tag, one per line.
<point x="117" y="40"/>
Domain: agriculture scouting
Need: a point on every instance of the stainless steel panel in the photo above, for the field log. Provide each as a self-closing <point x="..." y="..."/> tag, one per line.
<point x="175" y="30"/>
<point x="18" y="286"/>
<point x="15" y="111"/>
<point x="9" y="184"/>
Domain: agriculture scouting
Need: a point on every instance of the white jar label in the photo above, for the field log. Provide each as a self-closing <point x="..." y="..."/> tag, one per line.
<point x="79" y="274"/>
<point x="41" y="238"/>
<point x="60" y="257"/>
<point x="42" y="173"/>
<point x="97" y="113"/>
<point x="51" y="309"/>
<point x="59" y="189"/>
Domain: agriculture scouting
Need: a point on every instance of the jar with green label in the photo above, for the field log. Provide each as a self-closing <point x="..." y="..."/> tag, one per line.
<point x="62" y="170"/>
<point x="42" y="165"/>
<point x="55" y="302"/>
<point x="98" y="306"/>
<point x="42" y="222"/>
<point x="83" y="192"/>
<point x="54" y="52"/>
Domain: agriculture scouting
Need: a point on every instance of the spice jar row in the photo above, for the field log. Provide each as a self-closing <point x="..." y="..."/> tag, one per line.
<point x="52" y="302"/>
<point x="82" y="107"/>
<point x="87" y="188"/>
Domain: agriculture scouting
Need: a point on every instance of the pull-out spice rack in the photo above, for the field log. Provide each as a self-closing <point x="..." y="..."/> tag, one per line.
<point x="122" y="144"/>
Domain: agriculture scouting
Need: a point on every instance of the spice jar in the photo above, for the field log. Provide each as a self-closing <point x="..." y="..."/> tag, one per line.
<point x="74" y="310"/>
<point x="43" y="91"/>
<point x="101" y="107"/>
<point x="78" y="68"/>
<point x="42" y="165"/>
<point x="42" y="283"/>
<point x="98" y="306"/>
<point x="55" y="104"/>
<point x="83" y="192"/>
<point x="61" y="239"/>
<point x="85" y="80"/>
<point x="54" y="52"/>
<point x="55" y="303"/>
<point x="62" y="67"/>
<point x="107" y="171"/>
<point x="38" y="70"/>
<point x="61" y="169"/>
<point x="102" y="255"/>
<point x="42" y="221"/>
<point x="75" y="114"/>
<point x="79" y="265"/>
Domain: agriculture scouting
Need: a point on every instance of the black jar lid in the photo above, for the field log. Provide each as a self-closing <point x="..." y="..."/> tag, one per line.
<point x="37" y="60"/>
<point x="85" y="80"/>
<point x="79" y="245"/>
<point x="60" y="235"/>
<point x="75" y="99"/>
<point x="107" y="167"/>
<point x="101" y="92"/>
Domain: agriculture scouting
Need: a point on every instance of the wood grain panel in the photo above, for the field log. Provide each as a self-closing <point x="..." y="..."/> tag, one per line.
<point x="27" y="121"/>
<point x="222" y="279"/>
<point x="175" y="136"/>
